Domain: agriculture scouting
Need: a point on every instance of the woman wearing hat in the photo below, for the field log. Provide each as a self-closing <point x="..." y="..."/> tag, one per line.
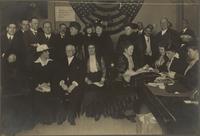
<point x="190" y="78"/>
<point x="93" y="100"/>
<point x="76" y="38"/>
<point x="42" y="70"/>
<point x="104" y="44"/>
<point x="130" y="34"/>
<point x="88" y="37"/>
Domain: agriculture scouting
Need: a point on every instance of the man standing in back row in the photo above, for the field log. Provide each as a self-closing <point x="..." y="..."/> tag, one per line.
<point x="167" y="37"/>
<point x="31" y="40"/>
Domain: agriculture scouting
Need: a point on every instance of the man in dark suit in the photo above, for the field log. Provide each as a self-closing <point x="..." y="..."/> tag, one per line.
<point x="61" y="41"/>
<point x="24" y="26"/>
<point x="145" y="47"/>
<point x="68" y="81"/>
<point x="187" y="38"/>
<point x="167" y="36"/>
<point x="48" y="37"/>
<point x="12" y="54"/>
<point x="140" y="27"/>
<point x="31" y="40"/>
<point x="62" y="31"/>
<point x="186" y="30"/>
<point x="13" y="83"/>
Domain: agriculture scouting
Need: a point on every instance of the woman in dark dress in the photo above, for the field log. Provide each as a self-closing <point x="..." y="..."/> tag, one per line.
<point x="88" y="37"/>
<point x="161" y="62"/>
<point x="104" y="44"/>
<point x="43" y="99"/>
<point x="190" y="77"/>
<point x="93" y="100"/>
<point x="123" y="96"/>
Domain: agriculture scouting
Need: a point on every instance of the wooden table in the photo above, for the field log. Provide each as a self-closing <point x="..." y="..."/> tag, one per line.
<point x="174" y="116"/>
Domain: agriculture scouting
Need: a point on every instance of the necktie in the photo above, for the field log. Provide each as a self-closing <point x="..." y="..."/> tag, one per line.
<point x="10" y="39"/>
<point x="47" y="37"/>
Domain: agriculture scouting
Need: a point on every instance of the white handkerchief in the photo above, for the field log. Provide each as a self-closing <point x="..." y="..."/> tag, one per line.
<point x="98" y="84"/>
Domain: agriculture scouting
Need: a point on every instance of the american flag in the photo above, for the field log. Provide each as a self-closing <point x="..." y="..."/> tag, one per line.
<point x="113" y="13"/>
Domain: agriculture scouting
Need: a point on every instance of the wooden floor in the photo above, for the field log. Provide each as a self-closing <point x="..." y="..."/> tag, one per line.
<point x="87" y="126"/>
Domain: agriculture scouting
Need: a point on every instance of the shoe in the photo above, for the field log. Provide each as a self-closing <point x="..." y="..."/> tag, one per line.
<point x="132" y="119"/>
<point x="71" y="120"/>
<point x="60" y="122"/>
<point x="60" y="119"/>
<point x="97" y="117"/>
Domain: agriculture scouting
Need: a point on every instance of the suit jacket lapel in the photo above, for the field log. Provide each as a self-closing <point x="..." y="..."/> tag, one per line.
<point x="144" y="42"/>
<point x="73" y="61"/>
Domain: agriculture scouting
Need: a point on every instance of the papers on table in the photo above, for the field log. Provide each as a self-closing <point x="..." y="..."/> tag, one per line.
<point x="45" y="87"/>
<point x="160" y="85"/>
<point x="191" y="102"/>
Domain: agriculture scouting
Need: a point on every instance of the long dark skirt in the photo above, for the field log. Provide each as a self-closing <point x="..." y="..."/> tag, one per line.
<point x="93" y="103"/>
<point x="121" y="98"/>
<point x="44" y="107"/>
<point x="16" y="114"/>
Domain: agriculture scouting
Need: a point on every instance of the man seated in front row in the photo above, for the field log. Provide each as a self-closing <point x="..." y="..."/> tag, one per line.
<point x="68" y="82"/>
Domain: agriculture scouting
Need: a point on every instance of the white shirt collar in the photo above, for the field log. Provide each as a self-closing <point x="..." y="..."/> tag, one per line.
<point x="176" y="56"/>
<point x="146" y="37"/>
<point x="164" y="31"/>
<point x="185" y="29"/>
<point x="22" y="31"/>
<point x="33" y="31"/>
<point x="70" y="59"/>
<point x="47" y="35"/>
<point x="140" y="31"/>
<point x="62" y="34"/>
<point x="10" y="36"/>
<point x="42" y="62"/>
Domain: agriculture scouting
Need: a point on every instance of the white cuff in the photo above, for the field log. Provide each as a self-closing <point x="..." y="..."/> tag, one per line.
<point x="75" y="83"/>
<point x="103" y="79"/>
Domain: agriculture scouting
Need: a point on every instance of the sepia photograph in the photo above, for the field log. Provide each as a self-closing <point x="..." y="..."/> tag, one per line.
<point x="99" y="67"/>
